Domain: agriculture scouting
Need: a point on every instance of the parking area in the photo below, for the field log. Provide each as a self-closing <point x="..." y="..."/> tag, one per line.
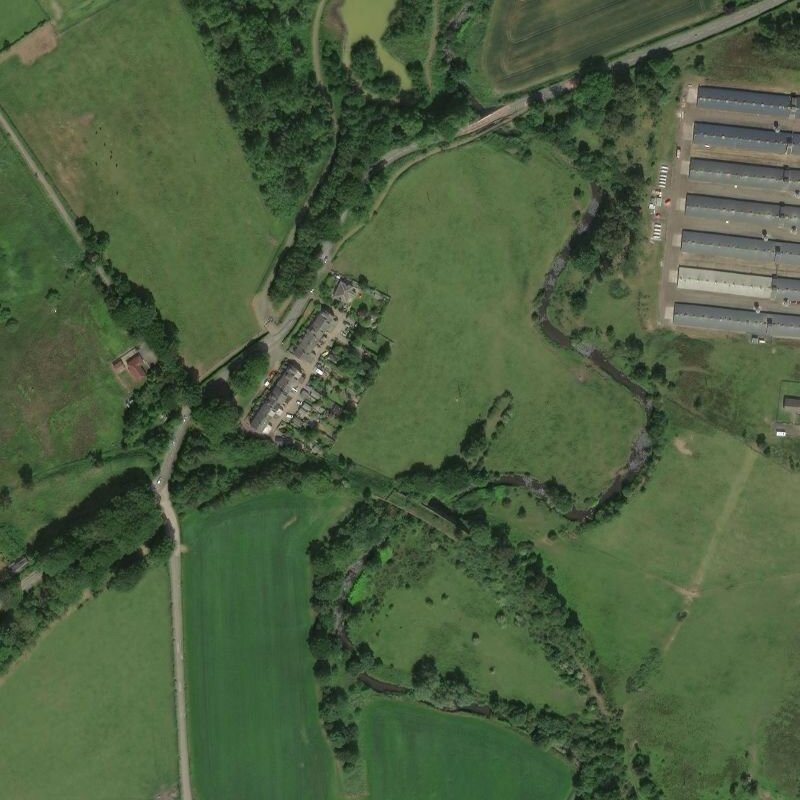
<point x="728" y="210"/>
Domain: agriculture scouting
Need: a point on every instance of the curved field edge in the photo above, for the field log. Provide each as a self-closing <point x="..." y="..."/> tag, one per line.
<point x="155" y="162"/>
<point x="246" y="582"/>
<point x="712" y="541"/>
<point x="414" y="751"/>
<point x="522" y="49"/>
<point x="90" y="713"/>
<point x="461" y="245"/>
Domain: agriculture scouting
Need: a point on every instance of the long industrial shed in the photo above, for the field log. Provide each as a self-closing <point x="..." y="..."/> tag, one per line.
<point x="747" y="247"/>
<point x="733" y="173"/>
<point x="747" y="101"/>
<point x="737" y="320"/>
<point x="742" y="137"/>
<point x="713" y="207"/>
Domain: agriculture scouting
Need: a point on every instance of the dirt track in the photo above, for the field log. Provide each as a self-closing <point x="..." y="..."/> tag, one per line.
<point x="162" y="488"/>
<point x="52" y="195"/>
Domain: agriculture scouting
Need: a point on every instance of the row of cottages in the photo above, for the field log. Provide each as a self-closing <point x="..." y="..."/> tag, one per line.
<point x="315" y="336"/>
<point x="282" y="391"/>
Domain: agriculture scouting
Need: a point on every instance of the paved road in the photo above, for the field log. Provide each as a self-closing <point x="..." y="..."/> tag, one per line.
<point x="52" y="195"/>
<point x="162" y="488"/>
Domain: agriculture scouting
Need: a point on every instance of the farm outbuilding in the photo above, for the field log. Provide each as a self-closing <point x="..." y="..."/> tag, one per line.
<point x="734" y="173"/>
<point x="791" y="402"/>
<point x="744" y="247"/>
<point x="757" y="211"/>
<point x="725" y="282"/>
<point x="788" y="288"/>
<point x="746" y="101"/>
<point x="742" y="137"/>
<point x="737" y="320"/>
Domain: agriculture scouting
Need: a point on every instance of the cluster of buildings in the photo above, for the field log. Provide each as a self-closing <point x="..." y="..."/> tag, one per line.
<point x="732" y="262"/>
<point x="131" y="367"/>
<point x="305" y="398"/>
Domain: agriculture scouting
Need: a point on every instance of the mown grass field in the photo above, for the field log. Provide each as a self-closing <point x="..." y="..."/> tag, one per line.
<point x="91" y="713"/>
<point x="17" y="18"/>
<point x="530" y="43"/>
<point x="416" y="752"/>
<point x="58" y="395"/>
<point x="503" y="658"/>
<point x="462" y="244"/>
<point x="254" y="729"/>
<point x="153" y="161"/>
<point x="722" y="695"/>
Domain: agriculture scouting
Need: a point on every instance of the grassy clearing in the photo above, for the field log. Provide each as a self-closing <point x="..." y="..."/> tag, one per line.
<point x="416" y="752"/>
<point x="52" y="495"/>
<point x="530" y="43"/>
<point x="253" y="714"/>
<point x="90" y="714"/>
<point x="439" y="615"/>
<point x="18" y="18"/>
<point x="155" y="163"/>
<point x="462" y="244"/>
<point x="369" y="18"/>
<point x="58" y="395"/>
<point x="719" y="521"/>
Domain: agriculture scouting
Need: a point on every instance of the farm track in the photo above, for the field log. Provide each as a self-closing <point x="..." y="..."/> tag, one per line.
<point x="161" y="487"/>
<point x="58" y="203"/>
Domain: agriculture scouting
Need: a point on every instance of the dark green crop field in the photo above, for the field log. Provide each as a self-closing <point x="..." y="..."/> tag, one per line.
<point x="529" y="43"/>
<point x="254" y="730"/>
<point x="415" y="752"/>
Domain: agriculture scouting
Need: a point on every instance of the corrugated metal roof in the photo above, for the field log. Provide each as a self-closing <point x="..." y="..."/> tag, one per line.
<point x="739" y="320"/>
<point x="713" y="205"/>
<point x="784" y="285"/>
<point x="742" y="135"/>
<point x="746" y="100"/>
<point x="725" y="282"/>
<point x="754" y="244"/>
<point x="740" y="171"/>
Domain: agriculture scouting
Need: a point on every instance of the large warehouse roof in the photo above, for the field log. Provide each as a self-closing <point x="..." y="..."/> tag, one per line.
<point x="737" y="320"/>
<point x="729" y="172"/>
<point x="747" y="101"/>
<point x="725" y="282"/>
<point x="750" y="246"/>
<point x="713" y="206"/>
<point x="742" y="137"/>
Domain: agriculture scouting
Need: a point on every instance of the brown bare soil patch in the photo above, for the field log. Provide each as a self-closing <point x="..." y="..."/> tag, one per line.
<point x="32" y="47"/>
<point x="166" y="793"/>
<point x="333" y="19"/>
<point x="289" y="522"/>
<point x="56" y="12"/>
<point x="682" y="447"/>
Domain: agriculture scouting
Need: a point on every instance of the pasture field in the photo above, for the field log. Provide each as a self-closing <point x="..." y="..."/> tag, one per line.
<point x="91" y="713"/>
<point x="369" y="18"/>
<point x="462" y="245"/>
<point x="52" y="495"/>
<point x="713" y="535"/>
<point x="528" y="44"/>
<point x="18" y="18"/>
<point x="407" y="627"/>
<point x="155" y="162"/>
<point x="58" y="396"/>
<point x="252" y="706"/>
<point x="414" y="751"/>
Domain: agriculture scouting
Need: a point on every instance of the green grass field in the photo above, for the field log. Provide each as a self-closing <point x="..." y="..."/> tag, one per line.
<point x="416" y="752"/>
<point x="91" y="713"/>
<point x="530" y="43"/>
<point x="58" y="394"/>
<point x="719" y="523"/>
<point x="503" y="658"/>
<point x="253" y="715"/>
<point x="153" y="161"/>
<point x="18" y="18"/>
<point x="462" y="244"/>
